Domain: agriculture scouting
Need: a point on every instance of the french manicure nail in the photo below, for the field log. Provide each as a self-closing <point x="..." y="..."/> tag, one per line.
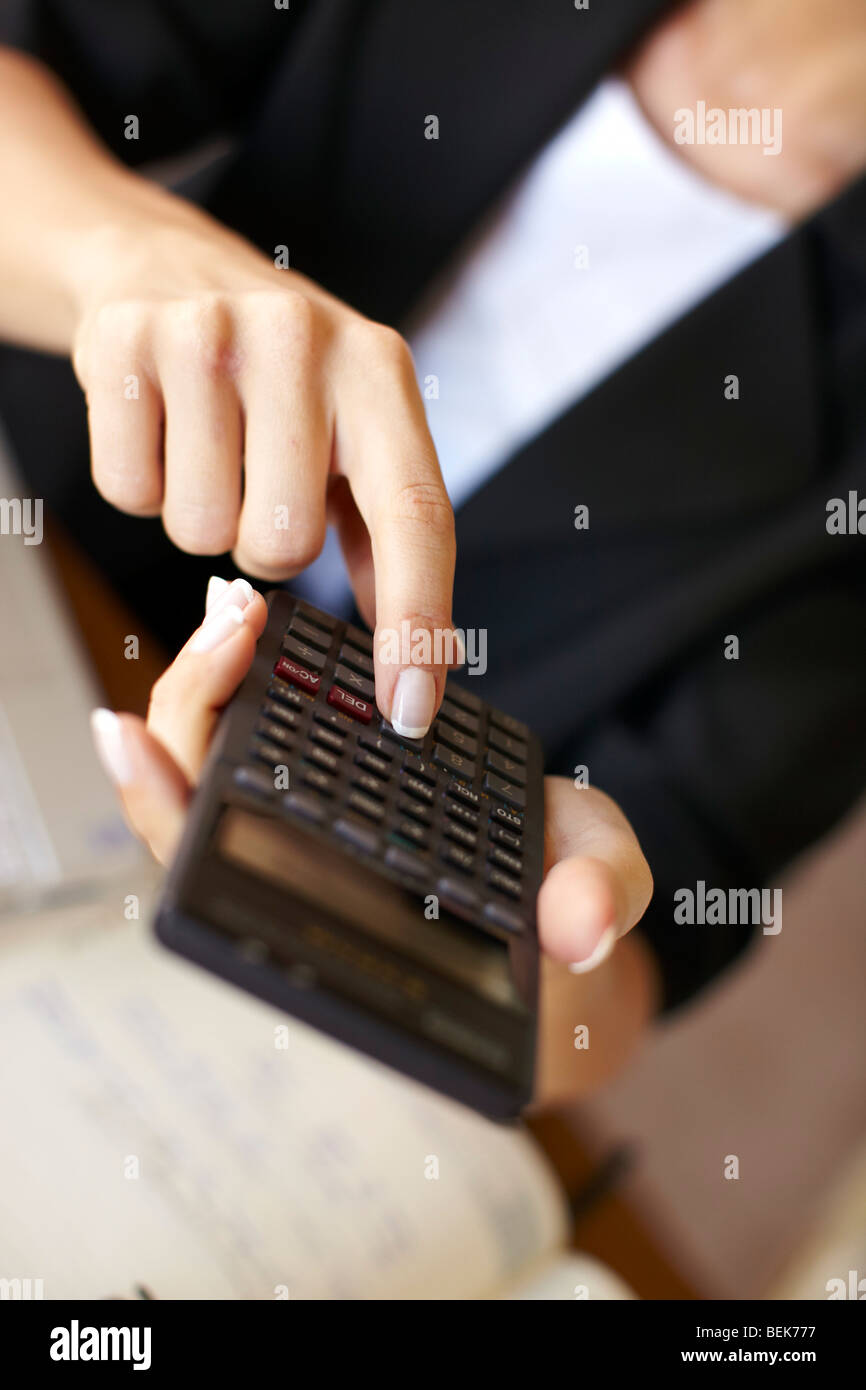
<point x="215" y="587"/>
<point x="239" y="593"/>
<point x="217" y="629"/>
<point x="414" y="699"/>
<point x="110" y="741"/>
<point x="603" y="948"/>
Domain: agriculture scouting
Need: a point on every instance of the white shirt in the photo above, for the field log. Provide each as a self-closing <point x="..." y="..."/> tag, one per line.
<point x="607" y="239"/>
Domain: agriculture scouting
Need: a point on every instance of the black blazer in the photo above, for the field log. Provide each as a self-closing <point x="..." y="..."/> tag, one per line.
<point x="707" y="516"/>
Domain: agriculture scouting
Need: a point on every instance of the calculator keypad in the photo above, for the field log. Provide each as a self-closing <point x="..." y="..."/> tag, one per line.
<point x="443" y="814"/>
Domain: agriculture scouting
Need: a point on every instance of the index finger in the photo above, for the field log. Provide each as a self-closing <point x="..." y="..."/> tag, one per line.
<point x="385" y="449"/>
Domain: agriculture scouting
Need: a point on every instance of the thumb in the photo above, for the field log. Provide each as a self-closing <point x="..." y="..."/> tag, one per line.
<point x="155" y="793"/>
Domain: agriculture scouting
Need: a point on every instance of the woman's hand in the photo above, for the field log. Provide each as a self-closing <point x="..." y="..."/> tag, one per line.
<point x="248" y="407"/>
<point x="236" y="399"/>
<point x="806" y="60"/>
<point x="597" y="883"/>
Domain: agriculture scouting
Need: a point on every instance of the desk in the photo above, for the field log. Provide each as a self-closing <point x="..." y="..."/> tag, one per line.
<point x="609" y="1228"/>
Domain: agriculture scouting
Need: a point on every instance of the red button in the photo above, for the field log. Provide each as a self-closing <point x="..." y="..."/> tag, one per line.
<point x="298" y="675"/>
<point x="350" y="704"/>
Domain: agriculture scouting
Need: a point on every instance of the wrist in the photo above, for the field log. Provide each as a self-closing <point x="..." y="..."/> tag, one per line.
<point x="125" y="236"/>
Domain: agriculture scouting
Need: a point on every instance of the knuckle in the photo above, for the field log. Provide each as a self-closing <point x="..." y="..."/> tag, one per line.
<point x="272" y="553"/>
<point x="424" y="505"/>
<point x="200" y="330"/>
<point x="116" y="332"/>
<point x="199" y="528"/>
<point x="378" y="343"/>
<point x="287" y="319"/>
<point x="138" y="492"/>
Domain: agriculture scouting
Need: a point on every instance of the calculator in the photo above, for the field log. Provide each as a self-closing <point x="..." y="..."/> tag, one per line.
<point x="380" y="888"/>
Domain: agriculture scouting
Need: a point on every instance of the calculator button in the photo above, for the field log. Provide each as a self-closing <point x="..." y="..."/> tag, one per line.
<point x="366" y="782"/>
<point x="375" y="743"/>
<point x="365" y="806"/>
<point x="459" y="717"/>
<point x="510" y="725"/>
<point x="371" y="762"/>
<point x="304" y="805"/>
<point x="304" y="653"/>
<point x="275" y="733"/>
<point x="305" y="632"/>
<point x="500" y="836"/>
<point x="512" y="747"/>
<point x="315" y="777"/>
<point x="461" y="833"/>
<point x="415" y="744"/>
<point x="501" y="916"/>
<point x="362" y="640"/>
<point x="331" y="720"/>
<point x="328" y="738"/>
<point x="464" y="794"/>
<point x="357" y="684"/>
<point x="456" y="738"/>
<point x="454" y="762"/>
<point x="269" y="753"/>
<point x="462" y="697"/>
<point x="504" y="860"/>
<point x="457" y="811"/>
<point x="508" y="792"/>
<point x="417" y="809"/>
<point x="406" y="861"/>
<point x="359" y="661"/>
<point x="507" y="767"/>
<point x="312" y="615"/>
<point x="279" y="690"/>
<point x="503" y="883"/>
<point x="271" y="709"/>
<point x="419" y="768"/>
<point x="361" y="710"/>
<point x="461" y="858"/>
<point x="252" y="779"/>
<point x="362" y="836"/>
<point x="500" y="815"/>
<point x="458" y="897"/>
<point x="322" y="758"/>
<point x="412" y="831"/>
<point x="298" y="675"/>
<point x="415" y="787"/>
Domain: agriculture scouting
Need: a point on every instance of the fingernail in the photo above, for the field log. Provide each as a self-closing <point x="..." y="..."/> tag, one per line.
<point x="110" y="742"/>
<point x="414" y="699"/>
<point x="215" y="587"/>
<point x="217" y="629"/>
<point x="603" y="948"/>
<point x="239" y="593"/>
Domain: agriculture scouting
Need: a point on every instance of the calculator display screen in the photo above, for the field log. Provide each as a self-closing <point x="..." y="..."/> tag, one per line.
<point x="328" y="878"/>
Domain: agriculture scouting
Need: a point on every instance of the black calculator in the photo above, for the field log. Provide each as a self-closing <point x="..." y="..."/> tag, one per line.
<point x="380" y="888"/>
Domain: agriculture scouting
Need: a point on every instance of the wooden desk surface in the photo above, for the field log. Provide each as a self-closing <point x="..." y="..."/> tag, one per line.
<point x="608" y="1228"/>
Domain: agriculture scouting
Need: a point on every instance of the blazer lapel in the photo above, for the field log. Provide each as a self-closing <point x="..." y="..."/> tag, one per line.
<point x="338" y="166"/>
